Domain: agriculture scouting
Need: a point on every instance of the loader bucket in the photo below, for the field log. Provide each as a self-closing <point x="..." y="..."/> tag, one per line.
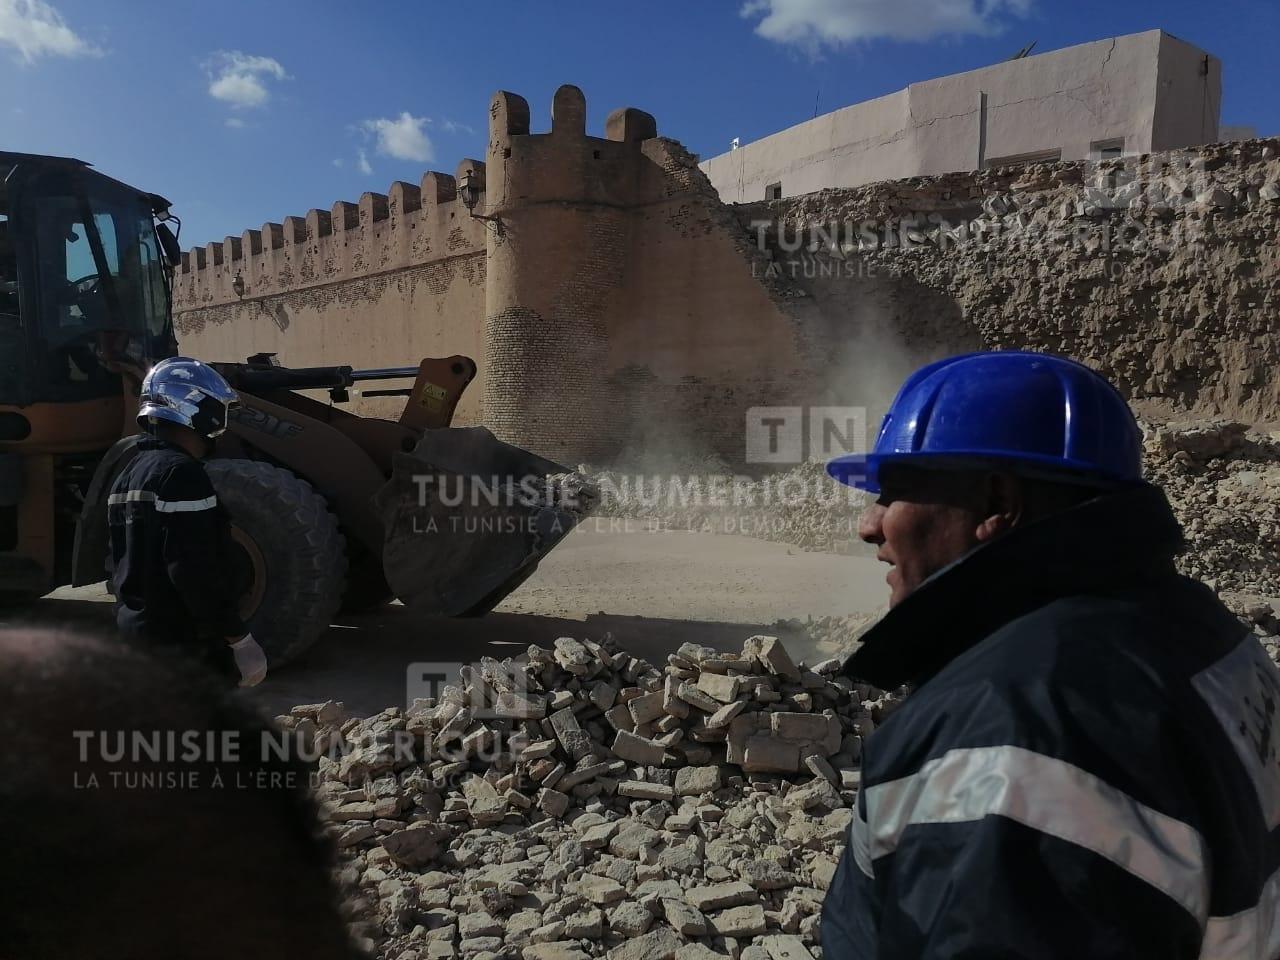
<point x="467" y="518"/>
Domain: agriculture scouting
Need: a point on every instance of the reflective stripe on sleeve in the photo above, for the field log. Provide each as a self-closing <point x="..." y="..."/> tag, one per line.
<point x="1057" y="799"/>
<point x="185" y="506"/>
<point x="1252" y="934"/>
<point x="132" y="496"/>
<point x="860" y="842"/>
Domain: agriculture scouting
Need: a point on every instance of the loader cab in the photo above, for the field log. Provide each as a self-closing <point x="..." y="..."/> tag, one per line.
<point x="84" y="282"/>
<point x="85" y="267"/>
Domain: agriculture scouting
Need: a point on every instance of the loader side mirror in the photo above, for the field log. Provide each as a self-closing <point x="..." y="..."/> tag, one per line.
<point x="172" y="252"/>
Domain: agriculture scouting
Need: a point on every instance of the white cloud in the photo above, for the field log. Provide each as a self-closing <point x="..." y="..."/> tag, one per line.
<point x="402" y="138"/>
<point x="453" y="126"/>
<point x="813" y="24"/>
<point x="235" y="123"/>
<point x="240" y="79"/>
<point x="362" y="161"/>
<point x="337" y="162"/>
<point x="35" y="29"/>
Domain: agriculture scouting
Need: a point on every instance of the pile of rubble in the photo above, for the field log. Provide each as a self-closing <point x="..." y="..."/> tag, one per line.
<point x="580" y="802"/>
<point x="1158" y="271"/>
<point x="1223" y="481"/>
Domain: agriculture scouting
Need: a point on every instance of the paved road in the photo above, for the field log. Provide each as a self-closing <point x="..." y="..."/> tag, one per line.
<point x="651" y="591"/>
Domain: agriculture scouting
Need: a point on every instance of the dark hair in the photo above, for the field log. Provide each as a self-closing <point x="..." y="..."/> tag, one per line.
<point x="959" y="482"/>
<point x="97" y="864"/>
<point x="1045" y="497"/>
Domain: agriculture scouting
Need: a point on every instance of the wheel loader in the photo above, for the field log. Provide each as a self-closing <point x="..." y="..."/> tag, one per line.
<point x="330" y="511"/>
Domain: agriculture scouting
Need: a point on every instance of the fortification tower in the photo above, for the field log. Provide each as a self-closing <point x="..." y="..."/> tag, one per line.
<point x="556" y="265"/>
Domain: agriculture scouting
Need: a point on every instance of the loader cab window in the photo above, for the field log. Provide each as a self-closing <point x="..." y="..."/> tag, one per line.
<point x="132" y="258"/>
<point x="98" y="261"/>
<point x="98" y="284"/>
<point x="81" y="274"/>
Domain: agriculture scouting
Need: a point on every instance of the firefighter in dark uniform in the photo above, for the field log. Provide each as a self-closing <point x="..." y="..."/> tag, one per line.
<point x="1089" y="764"/>
<point x="169" y="538"/>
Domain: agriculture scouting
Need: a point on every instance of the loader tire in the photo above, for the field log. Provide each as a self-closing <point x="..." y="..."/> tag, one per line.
<point x="289" y="557"/>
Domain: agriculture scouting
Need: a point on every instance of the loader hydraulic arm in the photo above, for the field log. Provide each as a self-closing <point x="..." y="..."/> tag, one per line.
<point x="258" y="378"/>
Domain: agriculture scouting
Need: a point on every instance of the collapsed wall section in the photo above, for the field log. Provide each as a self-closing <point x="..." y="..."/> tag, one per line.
<point x="1160" y="271"/>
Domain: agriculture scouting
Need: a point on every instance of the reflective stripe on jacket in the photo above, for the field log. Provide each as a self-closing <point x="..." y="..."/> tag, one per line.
<point x="1090" y="767"/>
<point x="170" y="549"/>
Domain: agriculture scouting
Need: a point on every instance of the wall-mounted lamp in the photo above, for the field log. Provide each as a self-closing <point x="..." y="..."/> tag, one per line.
<point x="469" y="194"/>
<point x="237" y="284"/>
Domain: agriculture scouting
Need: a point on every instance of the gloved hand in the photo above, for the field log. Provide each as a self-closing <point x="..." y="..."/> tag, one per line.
<point x="250" y="659"/>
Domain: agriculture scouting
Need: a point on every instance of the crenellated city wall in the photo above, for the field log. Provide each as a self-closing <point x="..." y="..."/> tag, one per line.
<point x="610" y="304"/>
<point x="381" y="282"/>
<point x="616" y="307"/>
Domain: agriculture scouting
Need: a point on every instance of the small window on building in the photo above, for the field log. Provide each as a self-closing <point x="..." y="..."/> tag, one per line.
<point x="1024" y="159"/>
<point x="773" y="191"/>
<point x="1107" y="149"/>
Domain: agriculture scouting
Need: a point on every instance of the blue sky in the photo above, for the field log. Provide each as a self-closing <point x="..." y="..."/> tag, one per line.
<point x="246" y="112"/>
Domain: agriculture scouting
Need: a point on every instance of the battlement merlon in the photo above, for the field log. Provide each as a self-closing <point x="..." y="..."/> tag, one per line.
<point x="404" y="205"/>
<point x="564" y="165"/>
<point x="410" y="225"/>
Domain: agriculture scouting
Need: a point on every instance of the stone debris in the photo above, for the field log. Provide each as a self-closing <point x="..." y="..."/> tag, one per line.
<point x="579" y="803"/>
<point x="1223" y="481"/>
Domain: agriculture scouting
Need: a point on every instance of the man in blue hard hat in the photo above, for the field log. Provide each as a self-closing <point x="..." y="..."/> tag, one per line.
<point x="1089" y="766"/>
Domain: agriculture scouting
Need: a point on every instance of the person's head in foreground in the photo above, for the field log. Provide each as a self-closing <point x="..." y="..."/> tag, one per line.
<point x="1089" y="764"/>
<point x="145" y="818"/>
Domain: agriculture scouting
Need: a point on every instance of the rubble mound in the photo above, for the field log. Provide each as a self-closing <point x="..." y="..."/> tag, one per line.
<point x="1223" y="481"/>
<point x="579" y="802"/>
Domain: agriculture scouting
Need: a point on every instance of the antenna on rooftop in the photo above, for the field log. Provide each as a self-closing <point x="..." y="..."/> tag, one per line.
<point x="1025" y="51"/>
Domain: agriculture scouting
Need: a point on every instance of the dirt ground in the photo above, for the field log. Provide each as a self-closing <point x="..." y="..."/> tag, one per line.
<point x="652" y="591"/>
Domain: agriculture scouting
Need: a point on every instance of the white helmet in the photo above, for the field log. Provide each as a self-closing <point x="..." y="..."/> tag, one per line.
<point x="188" y="392"/>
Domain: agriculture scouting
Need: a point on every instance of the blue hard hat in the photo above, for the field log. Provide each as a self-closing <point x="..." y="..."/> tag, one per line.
<point x="1031" y="413"/>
